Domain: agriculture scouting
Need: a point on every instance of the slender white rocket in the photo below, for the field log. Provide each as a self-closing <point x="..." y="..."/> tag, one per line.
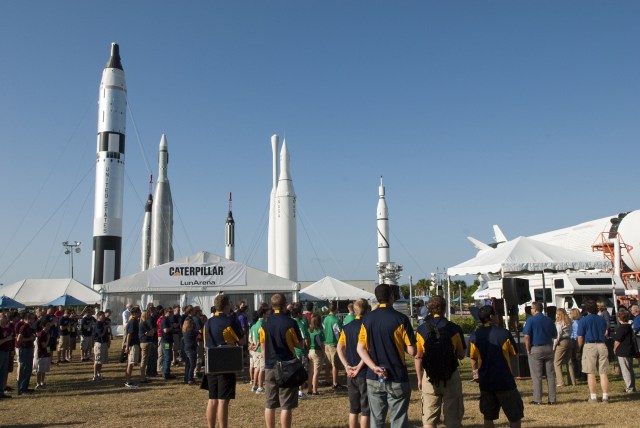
<point x="162" y="212"/>
<point x="108" y="207"/>
<point x="285" y="224"/>
<point x="146" y="234"/>
<point x="271" y="240"/>
<point x="383" y="229"/>
<point x="230" y="235"/>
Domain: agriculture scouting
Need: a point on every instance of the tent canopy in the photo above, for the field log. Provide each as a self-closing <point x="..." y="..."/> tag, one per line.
<point x="528" y="255"/>
<point x="37" y="292"/>
<point x="9" y="303"/>
<point x="329" y="288"/>
<point x="66" y="300"/>
<point x="172" y="277"/>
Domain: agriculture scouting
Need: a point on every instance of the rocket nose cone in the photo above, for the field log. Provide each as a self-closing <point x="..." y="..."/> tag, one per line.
<point x="163" y="142"/>
<point x="114" y="60"/>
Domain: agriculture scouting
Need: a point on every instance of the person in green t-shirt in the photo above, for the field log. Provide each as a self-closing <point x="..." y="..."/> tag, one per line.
<point x="332" y="328"/>
<point x="350" y="317"/>
<point x="301" y="353"/>
<point x="316" y="352"/>
<point x="256" y="353"/>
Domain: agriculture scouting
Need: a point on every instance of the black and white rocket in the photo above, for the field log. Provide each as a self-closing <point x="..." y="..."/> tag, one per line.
<point x="162" y="212"/>
<point x="283" y="241"/>
<point x="388" y="271"/>
<point x="230" y="235"/>
<point x="108" y="207"/>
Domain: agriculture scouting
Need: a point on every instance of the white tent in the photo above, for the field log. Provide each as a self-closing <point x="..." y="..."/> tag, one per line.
<point x="36" y="292"/>
<point x="197" y="279"/>
<point x="528" y="255"/>
<point x="329" y="288"/>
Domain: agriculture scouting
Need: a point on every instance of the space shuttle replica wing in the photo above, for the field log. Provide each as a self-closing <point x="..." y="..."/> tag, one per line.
<point x="162" y="212"/>
<point x="108" y="207"/>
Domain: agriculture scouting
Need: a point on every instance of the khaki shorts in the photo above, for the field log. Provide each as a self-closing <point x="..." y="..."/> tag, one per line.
<point x="286" y="398"/>
<point x="43" y="365"/>
<point x="258" y="360"/>
<point x="443" y="398"/>
<point x="134" y="354"/>
<point x="331" y="353"/>
<point x="315" y="360"/>
<point x="64" y="343"/>
<point x="252" y="359"/>
<point x="86" y="342"/>
<point x="101" y="352"/>
<point x="595" y="358"/>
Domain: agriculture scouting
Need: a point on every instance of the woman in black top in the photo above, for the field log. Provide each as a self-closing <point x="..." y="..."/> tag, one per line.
<point x="625" y="349"/>
<point x="189" y="343"/>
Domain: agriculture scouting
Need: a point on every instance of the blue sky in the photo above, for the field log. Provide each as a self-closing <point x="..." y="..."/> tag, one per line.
<point x="524" y="114"/>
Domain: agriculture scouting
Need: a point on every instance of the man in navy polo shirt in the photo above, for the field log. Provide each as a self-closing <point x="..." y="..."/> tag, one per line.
<point x="221" y="329"/>
<point x="539" y="332"/>
<point x="279" y="336"/>
<point x="385" y="336"/>
<point x="595" y="355"/>
<point x="353" y="364"/>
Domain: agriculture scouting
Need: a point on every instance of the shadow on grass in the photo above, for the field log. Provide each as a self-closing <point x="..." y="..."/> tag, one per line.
<point x="48" y="424"/>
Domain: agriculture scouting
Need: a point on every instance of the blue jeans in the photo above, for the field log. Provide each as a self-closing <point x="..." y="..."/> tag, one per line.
<point x="166" y="355"/>
<point x="189" y="364"/>
<point x="26" y="366"/>
<point x="152" y="369"/>
<point x="388" y="395"/>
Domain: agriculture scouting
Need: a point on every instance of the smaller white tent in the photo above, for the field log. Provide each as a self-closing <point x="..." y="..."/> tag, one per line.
<point x="329" y="288"/>
<point x="37" y="292"/>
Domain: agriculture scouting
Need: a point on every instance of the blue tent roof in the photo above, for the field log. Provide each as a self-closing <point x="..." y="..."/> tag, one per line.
<point x="66" y="300"/>
<point x="9" y="303"/>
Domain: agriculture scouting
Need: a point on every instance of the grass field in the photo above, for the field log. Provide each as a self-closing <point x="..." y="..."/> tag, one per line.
<point x="72" y="399"/>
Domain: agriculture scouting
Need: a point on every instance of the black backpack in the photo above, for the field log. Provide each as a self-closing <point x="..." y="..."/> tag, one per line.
<point x="439" y="359"/>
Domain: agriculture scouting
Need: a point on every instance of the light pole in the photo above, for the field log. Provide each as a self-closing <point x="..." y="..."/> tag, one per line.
<point x="70" y="248"/>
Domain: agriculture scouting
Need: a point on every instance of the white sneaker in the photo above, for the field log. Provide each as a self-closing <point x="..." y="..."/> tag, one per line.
<point x="301" y="396"/>
<point x="130" y="385"/>
<point x="260" y="390"/>
<point x="254" y="388"/>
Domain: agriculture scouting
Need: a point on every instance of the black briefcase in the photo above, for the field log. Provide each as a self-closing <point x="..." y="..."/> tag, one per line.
<point x="223" y="359"/>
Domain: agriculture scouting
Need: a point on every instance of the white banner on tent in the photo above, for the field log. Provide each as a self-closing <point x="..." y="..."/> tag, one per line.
<point x="198" y="275"/>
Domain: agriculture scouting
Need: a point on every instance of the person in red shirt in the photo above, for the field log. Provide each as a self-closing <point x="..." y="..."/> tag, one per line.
<point x="43" y="360"/>
<point x="25" y="342"/>
<point x="6" y="347"/>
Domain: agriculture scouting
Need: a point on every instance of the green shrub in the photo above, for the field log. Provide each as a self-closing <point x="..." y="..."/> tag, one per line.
<point x="468" y="324"/>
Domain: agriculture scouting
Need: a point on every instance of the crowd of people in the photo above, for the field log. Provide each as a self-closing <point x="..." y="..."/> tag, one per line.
<point x="370" y="346"/>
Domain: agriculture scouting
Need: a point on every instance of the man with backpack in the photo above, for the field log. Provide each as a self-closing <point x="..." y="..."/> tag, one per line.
<point x="440" y="344"/>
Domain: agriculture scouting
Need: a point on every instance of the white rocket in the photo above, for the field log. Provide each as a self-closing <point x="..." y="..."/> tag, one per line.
<point x="383" y="228"/>
<point x="108" y="207"/>
<point x="162" y="212"/>
<point x="283" y="241"/>
<point x="271" y="240"/>
<point x="388" y="271"/>
<point x="146" y="234"/>
<point x="230" y="235"/>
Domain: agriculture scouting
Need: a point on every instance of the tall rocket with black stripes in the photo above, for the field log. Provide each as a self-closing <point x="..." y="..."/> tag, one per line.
<point x="107" y="218"/>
